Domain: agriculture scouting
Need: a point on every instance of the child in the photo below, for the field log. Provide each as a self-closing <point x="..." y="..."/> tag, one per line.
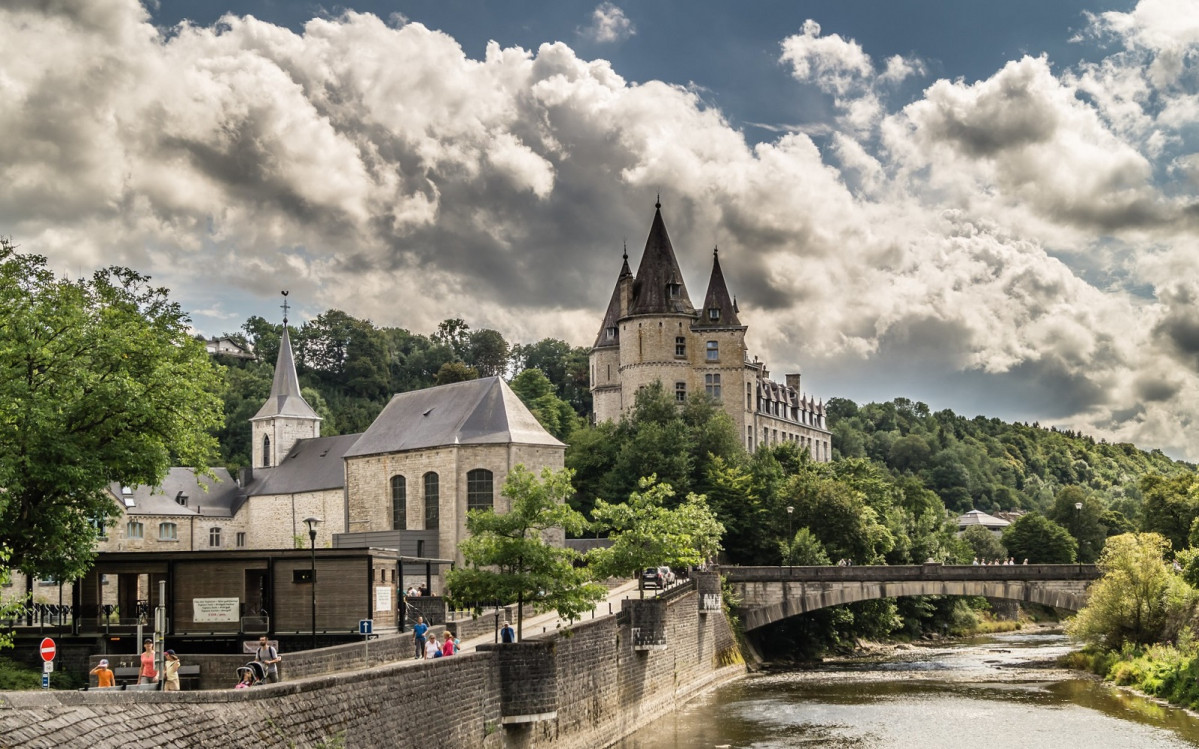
<point x="170" y="668"/>
<point x="247" y="679"/>
<point x="104" y="674"/>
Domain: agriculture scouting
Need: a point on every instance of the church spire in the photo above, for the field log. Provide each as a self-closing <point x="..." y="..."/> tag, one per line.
<point x="720" y="310"/>
<point x="609" y="333"/>
<point x="285" y="398"/>
<point x="659" y="286"/>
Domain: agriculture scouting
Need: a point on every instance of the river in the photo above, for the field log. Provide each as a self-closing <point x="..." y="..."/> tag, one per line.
<point x="990" y="692"/>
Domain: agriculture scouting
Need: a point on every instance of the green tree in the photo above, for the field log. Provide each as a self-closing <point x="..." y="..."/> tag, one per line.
<point x="984" y="544"/>
<point x="1040" y="540"/>
<point x="488" y="352"/>
<point x="1138" y="600"/>
<point x="537" y="393"/>
<point x="1085" y="525"/>
<point x="100" y="382"/>
<point x="645" y="532"/>
<point x="804" y="549"/>
<point x="455" y="371"/>
<point x="1171" y="505"/>
<point x="508" y="558"/>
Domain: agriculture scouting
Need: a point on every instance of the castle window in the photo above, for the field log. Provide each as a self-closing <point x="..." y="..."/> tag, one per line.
<point x="673" y="289"/>
<point x="168" y="532"/>
<point x="680" y="347"/>
<point x="479" y="489"/>
<point x="241" y="539"/>
<point x="214" y="537"/>
<point x="713" y="313"/>
<point x="432" y="501"/>
<point x="134" y="529"/>
<point x="680" y="392"/>
<point x="399" y="503"/>
<point x="610" y="333"/>
<point x="713" y="349"/>
<point x="712" y="386"/>
<point x="749" y="397"/>
<point x="749" y="437"/>
<point x="266" y="451"/>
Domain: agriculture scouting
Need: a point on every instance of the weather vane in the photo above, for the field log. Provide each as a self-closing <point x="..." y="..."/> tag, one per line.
<point x="285" y="307"/>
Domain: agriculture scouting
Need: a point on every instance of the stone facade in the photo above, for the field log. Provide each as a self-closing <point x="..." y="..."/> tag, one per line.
<point x="651" y="335"/>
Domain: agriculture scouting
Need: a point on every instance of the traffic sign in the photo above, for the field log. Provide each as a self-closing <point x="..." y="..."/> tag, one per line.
<point x="47" y="648"/>
<point x="365" y="625"/>
<point x="48" y="667"/>
<point x="45" y="681"/>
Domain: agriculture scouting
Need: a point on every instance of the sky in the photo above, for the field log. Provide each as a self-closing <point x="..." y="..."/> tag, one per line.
<point x="987" y="207"/>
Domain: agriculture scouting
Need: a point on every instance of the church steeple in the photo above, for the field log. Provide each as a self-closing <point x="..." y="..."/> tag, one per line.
<point x="659" y="286"/>
<point x="720" y="310"/>
<point x="609" y="333"/>
<point x="286" y="416"/>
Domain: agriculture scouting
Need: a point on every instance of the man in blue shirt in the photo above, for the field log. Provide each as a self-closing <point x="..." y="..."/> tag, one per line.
<point x="418" y="633"/>
<point x="507" y="634"/>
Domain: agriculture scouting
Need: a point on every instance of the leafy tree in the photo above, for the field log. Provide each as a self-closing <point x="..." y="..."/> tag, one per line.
<point x="1171" y="505"/>
<point x="508" y="558"/>
<point x="839" y="515"/>
<point x="537" y="393"/>
<point x="1040" y="540"/>
<point x="804" y="549"/>
<point x="984" y="544"/>
<point x="567" y="367"/>
<point x="1138" y="600"/>
<point x="455" y="371"/>
<point x="100" y="382"/>
<point x="455" y="334"/>
<point x="645" y="532"/>
<point x="1085" y="525"/>
<point x="488" y="352"/>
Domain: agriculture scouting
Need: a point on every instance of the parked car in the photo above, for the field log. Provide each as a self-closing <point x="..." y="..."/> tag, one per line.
<point x="657" y="577"/>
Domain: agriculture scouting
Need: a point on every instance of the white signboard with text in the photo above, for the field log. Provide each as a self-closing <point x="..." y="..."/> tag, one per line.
<point x="210" y="610"/>
<point x="382" y="598"/>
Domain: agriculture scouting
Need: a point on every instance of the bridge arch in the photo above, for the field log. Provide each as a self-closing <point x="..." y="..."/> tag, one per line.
<point x="765" y="601"/>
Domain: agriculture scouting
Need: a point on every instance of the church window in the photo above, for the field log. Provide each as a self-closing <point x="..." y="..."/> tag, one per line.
<point x="713" y="350"/>
<point x="713" y="313"/>
<point x="266" y="451"/>
<point x="399" y="503"/>
<point x="135" y="529"/>
<point x="168" y="532"/>
<point x="479" y="489"/>
<point x="680" y="392"/>
<point x="432" y="501"/>
<point x="680" y="347"/>
<point x="214" y="537"/>
<point x="712" y="386"/>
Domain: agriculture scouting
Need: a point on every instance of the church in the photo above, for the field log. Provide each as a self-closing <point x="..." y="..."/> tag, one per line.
<point x="651" y="332"/>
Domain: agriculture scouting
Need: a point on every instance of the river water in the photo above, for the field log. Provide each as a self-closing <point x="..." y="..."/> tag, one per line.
<point x="994" y="692"/>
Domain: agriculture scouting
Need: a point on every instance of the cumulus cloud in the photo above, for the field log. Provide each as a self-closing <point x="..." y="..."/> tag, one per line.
<point x="608" y="24"/>
<point x="1014" y="244"/>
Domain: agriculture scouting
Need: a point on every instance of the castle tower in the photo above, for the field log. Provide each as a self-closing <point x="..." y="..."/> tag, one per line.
<point x="285" y="417"/>
<point x="721" y="371"/>
<point x="605" y="355"/>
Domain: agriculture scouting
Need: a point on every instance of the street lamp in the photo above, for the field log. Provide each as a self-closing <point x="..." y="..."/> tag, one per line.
<point x="1078" y="531"/>
<point x="790" y="540"/>
<point x="312" y="522"/>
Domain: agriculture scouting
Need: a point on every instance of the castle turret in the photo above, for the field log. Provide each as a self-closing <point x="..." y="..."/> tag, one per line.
<point x="605" y="354"/>
<point x="285" y="417"/>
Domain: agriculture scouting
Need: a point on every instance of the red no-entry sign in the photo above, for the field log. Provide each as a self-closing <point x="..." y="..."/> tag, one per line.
<point x="48" y="649"/>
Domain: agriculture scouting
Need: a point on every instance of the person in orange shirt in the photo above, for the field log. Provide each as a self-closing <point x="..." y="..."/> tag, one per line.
<point x="104" y="674"/>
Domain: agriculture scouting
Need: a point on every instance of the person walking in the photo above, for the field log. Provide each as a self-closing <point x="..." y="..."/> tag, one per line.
<point x="431" y="648"/>
<point x="447" y="644"/>
<point x="104" y="675"/>
<point x="418" y="636"/>
<point x="147" y="674"/>
<point x="507" y="634"/>
<point x="268" y="656"/>
<point x="170" y="671"/>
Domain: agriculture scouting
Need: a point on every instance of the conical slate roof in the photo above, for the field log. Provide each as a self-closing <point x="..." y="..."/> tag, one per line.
<point x="285" y="398"/>
<point x="718" y="299"/>
<point x="659" y="270"/>
<point x="476" y="412"/>
<point x="612" y="316"/>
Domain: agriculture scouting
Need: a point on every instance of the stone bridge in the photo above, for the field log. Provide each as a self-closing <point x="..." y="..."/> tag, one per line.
<point x="770" y="594"/>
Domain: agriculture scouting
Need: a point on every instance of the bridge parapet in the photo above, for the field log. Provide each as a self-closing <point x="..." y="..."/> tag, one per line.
<point x="887" y="573"/>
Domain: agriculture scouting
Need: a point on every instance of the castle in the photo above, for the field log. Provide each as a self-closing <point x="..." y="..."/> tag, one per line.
<point x="652" y="333"/>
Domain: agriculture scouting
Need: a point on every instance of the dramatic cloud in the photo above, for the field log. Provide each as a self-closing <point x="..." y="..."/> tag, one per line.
<point x="1018" y="245"/>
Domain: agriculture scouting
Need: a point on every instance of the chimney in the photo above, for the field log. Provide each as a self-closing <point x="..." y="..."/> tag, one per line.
<point x="793" y="382"/>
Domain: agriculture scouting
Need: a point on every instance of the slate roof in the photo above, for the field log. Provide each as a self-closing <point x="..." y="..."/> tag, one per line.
<point x="658" y="268"/>
<point x="312" y="465"/>
<point x="206" y="497"/>
<point x="476" y="412"/>
<point x="978" y="517"/>
<point x="718" y="298"/>
<point x="612" y="316"/>
<point x="285" y="398"/>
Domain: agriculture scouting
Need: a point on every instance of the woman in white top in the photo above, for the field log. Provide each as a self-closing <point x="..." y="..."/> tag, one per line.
<point x="431" y="649"/>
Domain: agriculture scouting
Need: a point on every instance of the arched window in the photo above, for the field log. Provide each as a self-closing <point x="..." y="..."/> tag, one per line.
<point x="399" y="503"/>
<point x="479" y="489"/>
<point x="432" y="501"/>
<point x="266" y="451"/>
<point x="214" y="537"/>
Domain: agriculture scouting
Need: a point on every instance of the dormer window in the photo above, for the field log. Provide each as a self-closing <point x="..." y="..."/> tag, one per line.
<point x="713" y="313"/>
<point x="673" y="290"/>
<point x="610" y="333"/>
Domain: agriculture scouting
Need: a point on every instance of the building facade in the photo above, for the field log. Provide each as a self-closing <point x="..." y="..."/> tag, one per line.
<point x="651" y="332"/>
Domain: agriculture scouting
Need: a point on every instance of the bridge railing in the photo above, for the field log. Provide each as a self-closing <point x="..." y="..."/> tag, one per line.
<point x="894" y="573"/>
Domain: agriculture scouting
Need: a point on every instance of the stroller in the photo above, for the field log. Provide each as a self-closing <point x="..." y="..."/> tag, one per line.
<point x="255" y="670"/>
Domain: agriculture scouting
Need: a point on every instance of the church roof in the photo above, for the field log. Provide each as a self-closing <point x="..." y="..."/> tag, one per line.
<point x="476" y="412"/>
<point x="718" y="299"/>
<point x="312" y="465"/>
<point x="659" y="269"/>
<point x="285" y="398"/>
<point x="203" y="496"/>
<point x="612" y="316"/>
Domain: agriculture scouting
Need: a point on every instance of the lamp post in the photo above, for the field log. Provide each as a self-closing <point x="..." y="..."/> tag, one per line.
<point x="790" y="540"/>
<point x="1078" y="531"/>
<point x="312" y="522"/>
